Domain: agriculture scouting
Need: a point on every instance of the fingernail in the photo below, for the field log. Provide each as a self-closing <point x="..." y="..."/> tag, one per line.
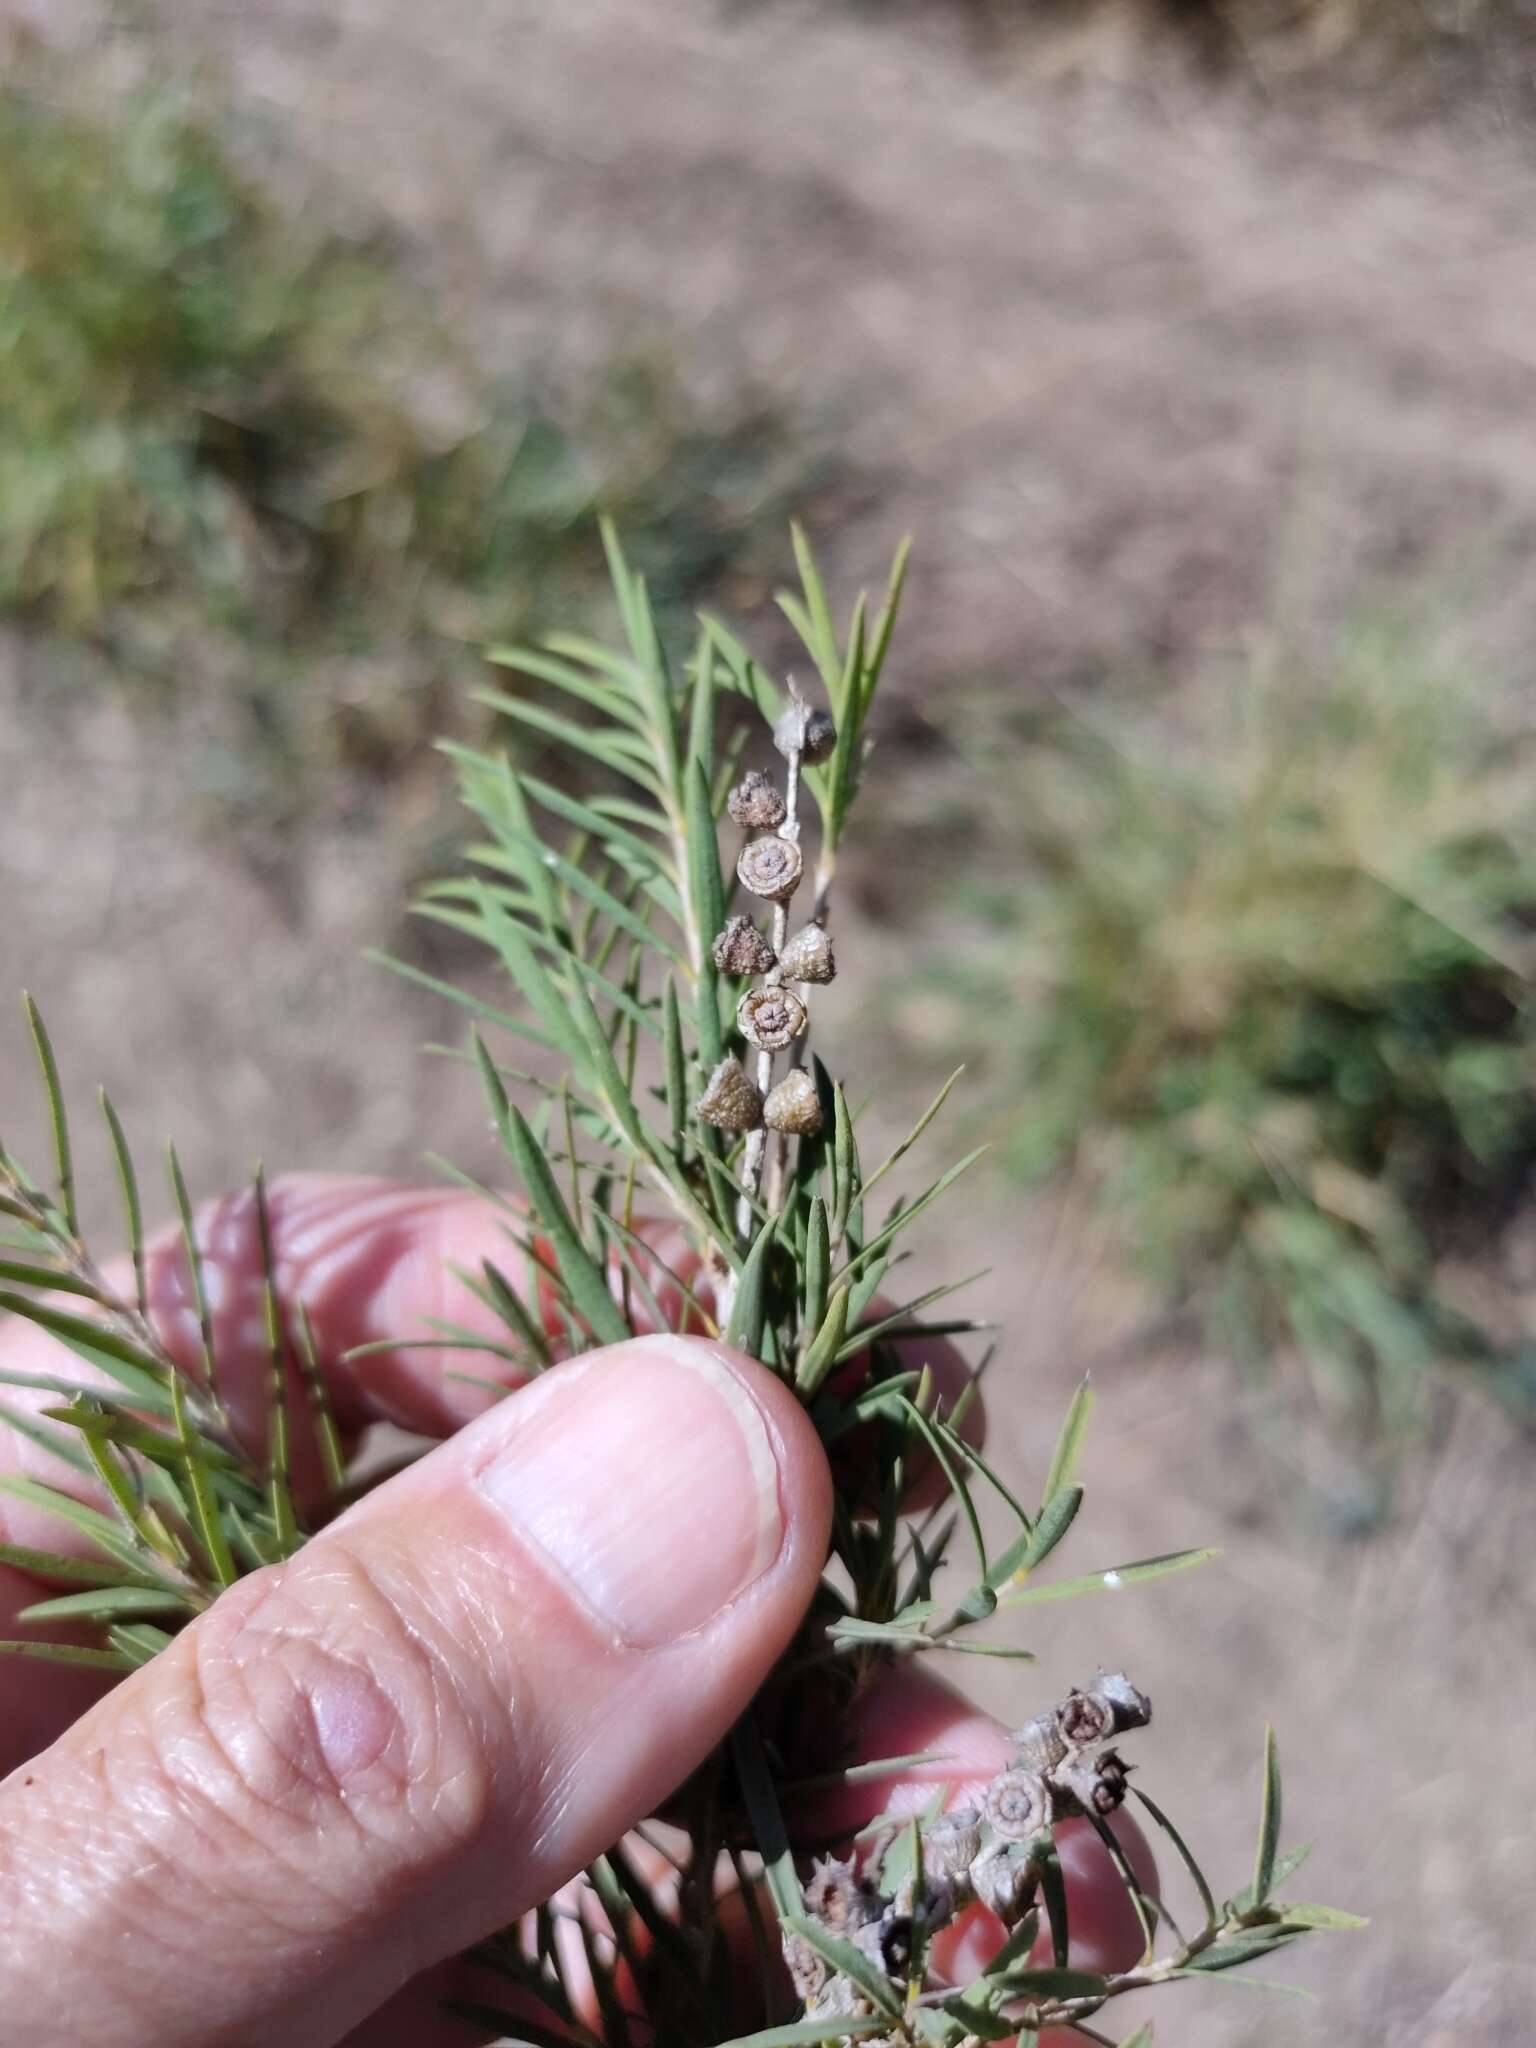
<point x="648" y="1478"/>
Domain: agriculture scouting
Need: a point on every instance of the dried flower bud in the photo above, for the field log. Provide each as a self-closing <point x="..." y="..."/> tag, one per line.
<point x="742" y="949"/>
<point x="1017" y="1805"/>
<point x="756" y="803"/>
<point x="770" y="1018"/>
<point x="1085" y="1718"/>
<point x="811" y="734"/>
<point x="732" y="1101"/>
<point x="794" y="1105"/>
<point x="771" y="868"/>
<point x="808" y="955"/>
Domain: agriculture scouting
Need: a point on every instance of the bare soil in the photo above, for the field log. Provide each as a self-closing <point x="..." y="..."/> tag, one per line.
<point x="1139" y="363"/>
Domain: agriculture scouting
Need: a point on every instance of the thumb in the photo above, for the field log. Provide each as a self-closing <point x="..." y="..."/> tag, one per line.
<point x="360" y="1761"/>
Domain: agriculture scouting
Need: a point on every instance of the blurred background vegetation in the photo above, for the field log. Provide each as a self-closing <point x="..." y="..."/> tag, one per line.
<point x="242" y="449"/>
<point x="324" y="333"/>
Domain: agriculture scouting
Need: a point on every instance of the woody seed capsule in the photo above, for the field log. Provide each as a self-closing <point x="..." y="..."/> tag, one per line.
<point x="755" y="802"/>
<point x="742" y="949"/>
<point x="811" y="734"/>
<point x="770" y="1018"/>
<point x="808" y="955"/>
<point x="794" y="1105"/>
<point x="732" y="1101"/>
<point x="771" y="868"/>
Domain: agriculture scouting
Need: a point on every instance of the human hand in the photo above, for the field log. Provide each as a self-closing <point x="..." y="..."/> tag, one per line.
<point x="357" y="1764"/>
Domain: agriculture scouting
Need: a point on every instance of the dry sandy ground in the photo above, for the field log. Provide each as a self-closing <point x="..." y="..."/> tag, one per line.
<point x="1127" y="360"/>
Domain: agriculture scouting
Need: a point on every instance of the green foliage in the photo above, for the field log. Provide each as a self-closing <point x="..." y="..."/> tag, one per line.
<point x="239" y="444"/>
<point x="1270" y="989"/>
<point x="600" y="908"/>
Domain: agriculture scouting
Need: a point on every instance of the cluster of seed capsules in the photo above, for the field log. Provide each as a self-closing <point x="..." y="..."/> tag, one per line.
<point x="992" y="1855"/>
<point x="772" y="1016"/>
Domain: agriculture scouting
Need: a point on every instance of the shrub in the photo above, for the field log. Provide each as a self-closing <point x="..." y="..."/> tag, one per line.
<point x="1268" y="983"/>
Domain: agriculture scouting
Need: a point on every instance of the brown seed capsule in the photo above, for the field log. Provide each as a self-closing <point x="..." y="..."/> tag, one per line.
<point x="1017" y="1805"/>
<point x="732" y="1101"/>
<point x="808" y="955"/>
<point x="771" y="868"/>
<point x="1039" y="1745"/>
<point x="1090" y="1784"/>
<point x="1085" y="1718"/>
<point x="742" y="949"/>
<point x="811" y="734"/>
<point x="755" y="802"/>
<point x="1131" y="1709"/>
<point x="952" y="1842"/>
<point x="770" y="1018"/>
<point x="1002" y="1885"/>
<point x="794" y="1105"/>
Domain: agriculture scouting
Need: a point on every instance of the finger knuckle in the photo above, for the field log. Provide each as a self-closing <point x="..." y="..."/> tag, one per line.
<point x="312" y="1704"/>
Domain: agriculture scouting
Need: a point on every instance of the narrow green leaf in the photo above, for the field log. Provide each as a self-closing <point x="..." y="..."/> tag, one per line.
<point x="825" y="1347"/>
<point x="904" y="1217"/>
<point x="109" y="1603"/>
<point x="1112" y="1581"/>
<point x="69" y="1653"/>
<point x="508" y="1304"/>
<point x="102" y="1530"/>
<point x="845" y="1163"/>
<point x="762" y="1804"/>
<point x="322" y="1415"/>
<point x="279" y="1468"/>
<point x="706" y="884"/>
<point x="894" y="1157"/>
<point x="1185" y="1855"/>
<point x="1024" y="1556"/>
<point x="205" y="1506"/>
<point x="1301" y="1914"/>
<point x="194" y="1253"/>
<point x="1269" y="1822"/>
<point x="585" y="1280"/>
<point x="140" y="1641"/>
<point x="610" y="749"/>
<point x="119" y="1357"/>
<point x="885" y="624"/>
<point x="58" y="1116"/>
<point x="1069" y="1444"/>
<point x="28" y="1273"/>
<point x="821" y="639"/>
<point x="133" y="1212"/>
<point x="848" y="1961"/>
<point x="50" y="1564"/>
<point x="818" y="1264"/>
<point x="701" y="710"/>
<point x="475" y="1005"/>
<point x="1054" y="1892"/>
<point x="844" y="2027"/>
<point x="750" y="1307"/>
<point x="675" y="1066"/>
